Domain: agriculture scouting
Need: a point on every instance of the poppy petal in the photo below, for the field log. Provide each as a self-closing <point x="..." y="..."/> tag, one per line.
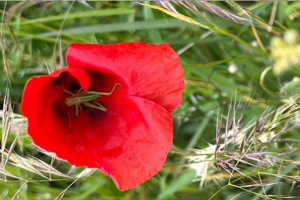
<point x="150" y="71"/>
<point x="43" y="105"/>
<point x="131" y="140"/>
<point x="123" y="125"/>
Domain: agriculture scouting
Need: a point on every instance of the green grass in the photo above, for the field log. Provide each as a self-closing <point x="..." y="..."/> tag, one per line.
<point x="256" y="133"/>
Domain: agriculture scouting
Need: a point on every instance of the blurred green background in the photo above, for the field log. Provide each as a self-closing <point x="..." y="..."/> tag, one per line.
<point x="223" y="62"/>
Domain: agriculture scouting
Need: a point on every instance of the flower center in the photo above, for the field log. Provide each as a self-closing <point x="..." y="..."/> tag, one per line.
<point x="87" y="98"/>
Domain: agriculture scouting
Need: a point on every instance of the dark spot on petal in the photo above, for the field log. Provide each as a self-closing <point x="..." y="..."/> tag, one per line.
<point x="94" y="113"/>
<point x="60" y="79"/>
<point x="74" y="87"/>
<point x="69" y="82"/>
<point x="60" y="110"/>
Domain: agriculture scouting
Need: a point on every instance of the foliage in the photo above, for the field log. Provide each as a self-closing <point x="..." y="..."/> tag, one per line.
<point x="238" y="123"/>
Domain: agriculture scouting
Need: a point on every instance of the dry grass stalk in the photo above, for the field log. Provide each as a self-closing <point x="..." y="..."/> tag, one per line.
<point x="259" y="147"/>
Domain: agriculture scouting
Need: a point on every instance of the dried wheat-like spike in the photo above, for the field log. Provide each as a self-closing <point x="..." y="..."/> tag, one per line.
<point x="223" y="13"/>
<point x="167" y="5"/>
<point x="33" y="165"/>
<point x="249" y="147"/>
<point x="248" y="19"/>
<point x="214" y="9"/>
<point x="6" y="124"/>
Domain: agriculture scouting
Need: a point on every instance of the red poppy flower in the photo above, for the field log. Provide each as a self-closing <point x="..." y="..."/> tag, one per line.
<point x="110" y="109"/>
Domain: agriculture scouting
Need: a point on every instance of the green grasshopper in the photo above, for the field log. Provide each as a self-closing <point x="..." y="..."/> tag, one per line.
<point x="87" y="98"/>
